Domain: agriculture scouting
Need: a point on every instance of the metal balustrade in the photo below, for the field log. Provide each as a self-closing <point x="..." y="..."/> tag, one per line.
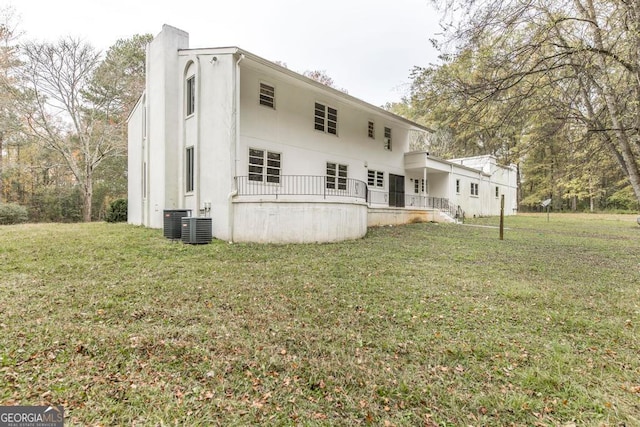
<point x="328" y="186"/>
<point x="301" y="185"/>
<point x="421" y="202"/>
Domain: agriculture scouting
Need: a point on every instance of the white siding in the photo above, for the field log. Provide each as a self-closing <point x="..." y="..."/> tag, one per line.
<point x="289" y="129"/>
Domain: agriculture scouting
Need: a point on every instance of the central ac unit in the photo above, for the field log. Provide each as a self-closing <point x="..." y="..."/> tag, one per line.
<point x="173" y="222"/>
<point x="196" y="230"/>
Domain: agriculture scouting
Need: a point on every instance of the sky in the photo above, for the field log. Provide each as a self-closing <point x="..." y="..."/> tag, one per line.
<point x="368" y="47"/>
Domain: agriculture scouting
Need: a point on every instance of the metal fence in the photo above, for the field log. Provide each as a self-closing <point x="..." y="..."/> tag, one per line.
<point x="418" y="201"/>
<point x="328" y="186"/>
<point x="301" y="185"/>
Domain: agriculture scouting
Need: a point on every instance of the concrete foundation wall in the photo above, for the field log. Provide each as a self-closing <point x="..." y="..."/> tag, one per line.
<point x="298" y="222"/>
<point x="399" y="216"/>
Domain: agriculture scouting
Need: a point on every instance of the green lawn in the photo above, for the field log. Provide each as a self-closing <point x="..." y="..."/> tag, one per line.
<point x="423" y="324"/>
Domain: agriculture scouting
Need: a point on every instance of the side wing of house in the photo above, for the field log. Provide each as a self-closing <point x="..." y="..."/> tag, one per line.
<point x="481" y="182"/>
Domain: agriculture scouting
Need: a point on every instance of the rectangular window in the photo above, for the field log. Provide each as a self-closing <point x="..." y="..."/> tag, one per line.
<point x="264" y="166"/>
<point x="336" y="176"/>
<point x="371" y="131"/>
<point x="387" y="139"/>
<point x="474" y="189"/>
<point x="191" y="95"/>
<point x="419" y="186"/>
<point x="457" y="186"/>
<point x="326" y="119"/>
<point x="144" y="180"/>
<point x="375" y="178"/>
<point x="497" y="192"/>
<point x="267" y="95"/>
<point x="189" y="169"/>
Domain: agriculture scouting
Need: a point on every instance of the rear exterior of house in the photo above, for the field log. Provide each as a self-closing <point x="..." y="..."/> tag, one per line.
<point x="272" y="156"/>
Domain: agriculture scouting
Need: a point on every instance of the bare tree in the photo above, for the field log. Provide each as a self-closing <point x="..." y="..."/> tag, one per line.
<point x="64" y="119"/>
<point x="321" y="76"/>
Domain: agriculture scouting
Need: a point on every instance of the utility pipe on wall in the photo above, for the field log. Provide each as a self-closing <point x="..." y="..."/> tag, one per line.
<point x="235" y="137"/>
<point x="198" y="149"/>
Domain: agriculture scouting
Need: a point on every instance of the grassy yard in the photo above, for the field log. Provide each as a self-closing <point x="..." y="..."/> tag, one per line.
<point x="423" y="324"/>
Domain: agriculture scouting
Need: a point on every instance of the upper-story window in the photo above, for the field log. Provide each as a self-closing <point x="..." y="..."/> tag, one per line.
<point x="371" y="131"/>
<point x="457" y="186"/>
<point x="497" y="191"/>
<point x="326" y="119"/>
<point x="387" y="139"/>
<point x="191" y="95"/>
<point x="267" y="95"/>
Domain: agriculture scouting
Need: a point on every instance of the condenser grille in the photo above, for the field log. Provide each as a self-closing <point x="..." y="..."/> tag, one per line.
<point x="196" y="231"/>
<point x="172" y="224"/>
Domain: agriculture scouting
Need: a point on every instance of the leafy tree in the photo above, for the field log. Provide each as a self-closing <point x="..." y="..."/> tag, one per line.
<point x="119" y="80"/>
<point x="114" y="90"/>
<point x="576" y="60"/>
<point x="9" y="90"/>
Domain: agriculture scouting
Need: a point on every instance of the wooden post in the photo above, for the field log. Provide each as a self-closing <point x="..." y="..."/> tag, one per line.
<point x="502" y="217"/>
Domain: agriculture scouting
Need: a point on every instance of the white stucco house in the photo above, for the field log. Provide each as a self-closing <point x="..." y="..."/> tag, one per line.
<point x="272" y="156"/>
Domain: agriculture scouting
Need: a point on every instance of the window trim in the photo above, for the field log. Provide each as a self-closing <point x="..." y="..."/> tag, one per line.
<point x="337" y="180"/>
<point x="371" y="129"/>
<point x="388" y="141"/>
<point x="475" y="189"/>
<point x="190" y="169"/>
<point x="190" y="96"/>
<point x="266" y="96"/>
<point x="375" y="178"/>
<point x="265" y="166"/>
<point x="323" y="123"/>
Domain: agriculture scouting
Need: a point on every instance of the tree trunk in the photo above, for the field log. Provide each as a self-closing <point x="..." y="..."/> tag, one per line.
<point x="624" y="140"/>
<point x="87" y="195"/>
<point x="1" y="192"/>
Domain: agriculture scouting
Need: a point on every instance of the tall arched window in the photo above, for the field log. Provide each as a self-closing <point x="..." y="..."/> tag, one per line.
<point x="190" y="90"/>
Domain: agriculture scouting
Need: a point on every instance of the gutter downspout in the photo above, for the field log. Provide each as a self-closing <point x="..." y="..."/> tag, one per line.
<point x="235" y="137"/>
<point x="198" y="148"/>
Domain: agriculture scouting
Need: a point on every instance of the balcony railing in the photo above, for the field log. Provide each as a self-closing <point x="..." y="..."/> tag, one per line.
<point x="324" y="186"/>
<point x="417" y="201"/>
<point x="301" y="185"/>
